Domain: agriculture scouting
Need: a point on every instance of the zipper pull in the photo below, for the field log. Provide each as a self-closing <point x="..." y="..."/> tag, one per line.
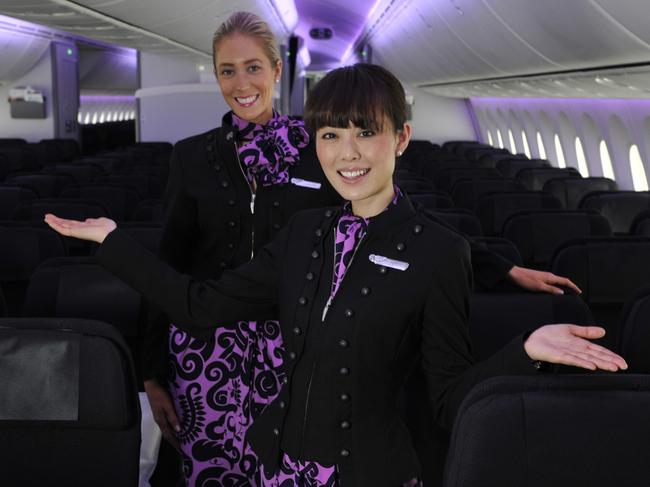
<point x="326" y="308"/>
<point x="252" y="203"/>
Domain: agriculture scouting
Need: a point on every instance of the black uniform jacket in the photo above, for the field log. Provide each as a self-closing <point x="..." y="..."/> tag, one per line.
<point x="213" y="224"/>
<point x="343" y="369"/>
<point x="210" y="224"/>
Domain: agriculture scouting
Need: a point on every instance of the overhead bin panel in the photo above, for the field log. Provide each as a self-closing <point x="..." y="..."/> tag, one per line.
<point x="418" y="45"/>
<point x="19" y="53"/>
<point x="633" y="15"/>
<point x="475" y="24"/>
<point x="192" y="22"/>
<point x="575" y="34"/>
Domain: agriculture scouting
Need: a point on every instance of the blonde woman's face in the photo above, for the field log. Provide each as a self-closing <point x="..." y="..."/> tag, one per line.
<point x="246" y="77"/>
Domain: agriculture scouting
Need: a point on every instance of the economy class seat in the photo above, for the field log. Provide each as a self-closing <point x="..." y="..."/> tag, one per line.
<point x="78" y="287"/>
<point x="11" y="197"/>
<point x="634" y="342"/>
<point x="445" y="178"/>
<point x="81" y="173"/>
<point x="67" y="149"/>
<point x="502" y="247"/>
<point x="609" y="270"/>
<point x="463" y="221"/>
<point x="619" y="207"/>
<point x="571" y="191"/>
<point x="497" y="318"/>
<point x="70" y="413"/>
<point x="120" y="201"/>
<point x="534" y="178"/>
<point x="45" y="185"/>
<point x="641" y="224"/>
<point x="149" y="211"/>
<point x="466" y="192"/>
<point x="433" y="200"/>
<point x="493" y="209"/>
<point x="538" y="234"/>
<point x="510" y="167"/>
<point x="23" y="249"/>
<point x="552" y="430"/>
<point x="490" y="159"/>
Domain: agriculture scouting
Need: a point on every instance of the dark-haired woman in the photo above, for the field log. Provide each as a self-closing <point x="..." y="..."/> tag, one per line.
<point x="360" y="291"/>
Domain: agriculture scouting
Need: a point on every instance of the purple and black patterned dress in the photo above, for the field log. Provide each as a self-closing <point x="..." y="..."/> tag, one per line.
<point x="220" y="387"/>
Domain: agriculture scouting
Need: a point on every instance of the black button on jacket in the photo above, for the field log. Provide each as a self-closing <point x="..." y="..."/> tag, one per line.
<point x="209" y="226"/>
<point x="420" y="310"/>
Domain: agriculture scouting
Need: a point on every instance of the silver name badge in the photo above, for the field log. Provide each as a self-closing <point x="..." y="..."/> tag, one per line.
<point x="386" y="262"/>
<point x="305" y="184"/>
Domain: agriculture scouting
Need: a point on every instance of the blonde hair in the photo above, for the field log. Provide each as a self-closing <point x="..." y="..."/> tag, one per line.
<point x="248" y="24"/>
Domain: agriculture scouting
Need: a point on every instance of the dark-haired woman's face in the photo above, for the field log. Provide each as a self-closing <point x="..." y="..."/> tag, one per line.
<point x="359" y="163"/>
<point x="246" y="77"/>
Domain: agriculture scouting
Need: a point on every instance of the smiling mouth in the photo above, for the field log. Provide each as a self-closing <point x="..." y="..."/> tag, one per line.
<point x="353" y="175"/>
<point x="246" y="101"/>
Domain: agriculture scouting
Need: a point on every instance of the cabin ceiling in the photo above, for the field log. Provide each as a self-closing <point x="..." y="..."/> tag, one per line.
<point x="447" y="47"/>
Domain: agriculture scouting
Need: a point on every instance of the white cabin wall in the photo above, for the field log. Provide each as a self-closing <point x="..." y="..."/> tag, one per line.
<point x="176" y="100"/>
<point x="32" y="130"/>
<point x="620" y="122"/>
<point x="439" y="119"/>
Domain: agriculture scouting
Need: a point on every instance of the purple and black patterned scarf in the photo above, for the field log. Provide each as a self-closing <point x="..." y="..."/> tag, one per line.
<point x="350" y="230"/>
<point x="268" y="151"/>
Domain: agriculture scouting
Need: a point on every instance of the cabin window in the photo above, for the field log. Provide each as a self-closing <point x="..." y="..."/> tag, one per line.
<point x="513" y="146"/>
<point x="525" y="142"/>
<point x="94" y="120"/>
<point x="606" y="161"/>
<point x="559" y="153"/>
<point x="121" y="116"/>
<point x="582" y="160"/>
<point x="87" y="118"/>
<point x="101" y="117"/>
<point x="639" y="178"/>
<point x="489" y="138"/>
<point x="540" y="146"/>
<point x="500" y="139"/>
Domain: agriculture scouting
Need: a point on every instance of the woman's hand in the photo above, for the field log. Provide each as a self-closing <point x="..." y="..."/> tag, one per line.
<point x="93" y="229"/>
<point x="570" y="345"/>
<point x="163" y="411"/>
<point x="540" y="281"/>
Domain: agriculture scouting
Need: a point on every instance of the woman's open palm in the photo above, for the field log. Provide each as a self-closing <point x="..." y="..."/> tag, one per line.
<point x="93" y="229"/>
<point x="570" y="345"/>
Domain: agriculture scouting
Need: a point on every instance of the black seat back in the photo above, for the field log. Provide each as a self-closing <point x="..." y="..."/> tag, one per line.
<point x="555" y="431"/>
<point x="634" y="342"/>
<point x="619" y="207"/>
<point x="497" y="318"/>
<point x="570" y="191"/>
<point x="70" y="401"/>
<point x="609" y="270"/>
<point x="534" y="178"/>
<point x="493" y="209"/>
<point x="538" y="234"/>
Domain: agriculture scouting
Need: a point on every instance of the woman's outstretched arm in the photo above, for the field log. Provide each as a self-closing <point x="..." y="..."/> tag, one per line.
<point x="446" y="347"/>
<point x="248" y="292"/>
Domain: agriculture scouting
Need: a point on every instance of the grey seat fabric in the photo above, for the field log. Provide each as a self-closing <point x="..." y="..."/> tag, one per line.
<point x="558" y="431"/>
<point x="69" y="413"/>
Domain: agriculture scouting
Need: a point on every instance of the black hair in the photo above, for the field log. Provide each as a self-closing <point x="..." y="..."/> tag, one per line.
<point x="365" y="94"/>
